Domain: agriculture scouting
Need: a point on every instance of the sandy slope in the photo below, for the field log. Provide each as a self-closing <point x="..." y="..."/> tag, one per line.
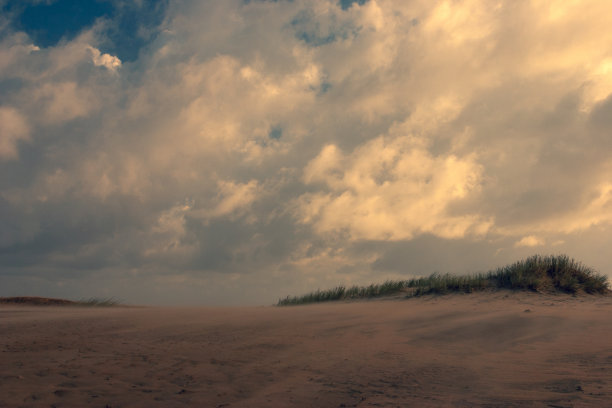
<point x="457" y="351"/>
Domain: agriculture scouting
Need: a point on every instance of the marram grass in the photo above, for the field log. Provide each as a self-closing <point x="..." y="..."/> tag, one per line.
<point x="98" y="302"/>
<point x="536" y="273"/>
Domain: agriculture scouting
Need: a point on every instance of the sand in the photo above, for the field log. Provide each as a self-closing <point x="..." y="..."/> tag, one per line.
<point x="481" y="350"/>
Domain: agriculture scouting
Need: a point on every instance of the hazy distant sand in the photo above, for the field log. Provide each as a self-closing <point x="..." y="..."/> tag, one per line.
<point x="458" y="351"/>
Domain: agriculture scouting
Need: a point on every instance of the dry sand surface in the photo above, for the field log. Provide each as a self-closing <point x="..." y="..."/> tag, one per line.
<point x="482" y="350"/>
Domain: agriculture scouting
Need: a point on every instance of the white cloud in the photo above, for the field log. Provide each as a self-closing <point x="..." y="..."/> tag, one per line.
<point x="233" y="200"/>
<point x="529" y="241"/>
<point x="168" y="234"/>
<point x="107" y="61"/>
<point x="391" y="188"/>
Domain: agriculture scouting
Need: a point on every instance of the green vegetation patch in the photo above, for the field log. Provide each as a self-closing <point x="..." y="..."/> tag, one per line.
<point x="98" y="302"/>
<point x="557" y="273"/>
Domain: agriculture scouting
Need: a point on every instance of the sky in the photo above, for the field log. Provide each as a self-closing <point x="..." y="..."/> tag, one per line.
<point x="234" y="152"/>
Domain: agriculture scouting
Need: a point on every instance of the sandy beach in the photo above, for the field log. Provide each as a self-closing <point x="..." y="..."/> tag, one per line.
<point x="498" y="349"/>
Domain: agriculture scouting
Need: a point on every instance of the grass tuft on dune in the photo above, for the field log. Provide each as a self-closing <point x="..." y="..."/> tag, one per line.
<point x="554" y="273"/>
<point x="98" y="302"/>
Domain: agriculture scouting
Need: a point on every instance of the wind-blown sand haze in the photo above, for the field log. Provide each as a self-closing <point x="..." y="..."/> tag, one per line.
<point x="496" y="349"/>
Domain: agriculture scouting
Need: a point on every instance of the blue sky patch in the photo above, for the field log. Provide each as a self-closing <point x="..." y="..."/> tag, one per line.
<point x="47" y="24"/>
<point x="325" y="86"/>
<point x="346" y="4"/>
<point x="310" y="30"/>
<point x="135" y="27"/>
<point x="130" y="26"/>
<point x="276" y="132"/>
<point x="262" y="1"/>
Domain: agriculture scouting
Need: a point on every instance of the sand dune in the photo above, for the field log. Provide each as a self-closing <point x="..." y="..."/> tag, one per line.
<point x="497" y="349"/>
<point x="36" y="301"/>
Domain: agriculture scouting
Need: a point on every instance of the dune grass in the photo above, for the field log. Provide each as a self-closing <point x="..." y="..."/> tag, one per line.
<point x="98" y="302"/>
<point x="555" y="273"/>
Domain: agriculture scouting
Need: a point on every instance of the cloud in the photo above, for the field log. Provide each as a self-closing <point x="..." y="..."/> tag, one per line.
<point x="529" y="241"/>
<point x="107" y="61"/>
<point x="169" y="233"/>
<point x="391" y="188"/>
<point x="14" y="49"/>
<point x="233" y="200"/>
<point x="13" y="129"/>
<point x="65" y="101"/>
<point x="275" y="147"/>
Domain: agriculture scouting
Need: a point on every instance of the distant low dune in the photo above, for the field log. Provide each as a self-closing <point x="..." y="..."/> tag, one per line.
<point x="45" y="301"/>
<point x="35" y="300"/>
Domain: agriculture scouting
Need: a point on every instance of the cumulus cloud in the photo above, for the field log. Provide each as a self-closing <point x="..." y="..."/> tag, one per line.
<point x="303" y="144"/>
<point x="529" y="241"/>
<point x="169" y="232"/>
<point x="391" y="188"/>
<point x="233" y="199"/>
<point x="107" y="61"/>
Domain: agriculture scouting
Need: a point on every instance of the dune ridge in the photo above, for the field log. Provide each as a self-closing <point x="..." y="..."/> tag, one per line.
<point x="46" y="301"/>
<point x="550" y="274"/>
